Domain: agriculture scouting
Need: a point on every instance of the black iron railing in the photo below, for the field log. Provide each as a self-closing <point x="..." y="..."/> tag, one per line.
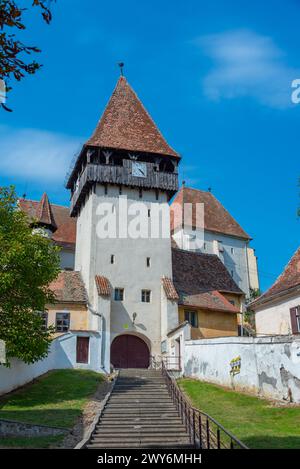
<point x="205" y="432"/>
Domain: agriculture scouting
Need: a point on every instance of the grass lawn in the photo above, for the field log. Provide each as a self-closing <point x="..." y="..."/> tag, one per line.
<point x="39" y="442"/>
<point x="56" y="399"/>
<point x="257" y="422"/>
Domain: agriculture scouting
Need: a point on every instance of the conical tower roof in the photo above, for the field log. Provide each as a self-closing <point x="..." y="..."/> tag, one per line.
<point x="125" y="124"/>
<point x="44" y="213"/>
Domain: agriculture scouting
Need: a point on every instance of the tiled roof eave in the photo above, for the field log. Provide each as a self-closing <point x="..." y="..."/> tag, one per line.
<point x="263" y="299"/>
<point x="207" y="308"/>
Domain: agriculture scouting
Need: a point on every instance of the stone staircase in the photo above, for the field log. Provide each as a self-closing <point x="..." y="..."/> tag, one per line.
<point x="139" y="414"/>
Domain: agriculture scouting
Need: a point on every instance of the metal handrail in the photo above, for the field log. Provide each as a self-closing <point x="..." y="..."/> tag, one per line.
<point x="171" y="362"/>
<point x="205" y="432"/>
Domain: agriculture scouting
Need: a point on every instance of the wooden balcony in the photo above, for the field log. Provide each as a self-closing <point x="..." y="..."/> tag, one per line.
<point x="122" y="176"/>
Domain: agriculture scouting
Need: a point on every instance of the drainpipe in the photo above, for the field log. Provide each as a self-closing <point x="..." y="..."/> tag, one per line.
<point x="96" y="313"/>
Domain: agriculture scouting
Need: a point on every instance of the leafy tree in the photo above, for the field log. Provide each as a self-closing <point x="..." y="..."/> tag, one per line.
<point x="12" y="50"/>
<point x="28" y="263"/>
<point x="249" y="314"/>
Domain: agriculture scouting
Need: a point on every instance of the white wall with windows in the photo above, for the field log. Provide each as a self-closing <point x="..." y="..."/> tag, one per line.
<point x="232" y="251"/>
<point x="63" y="354"/>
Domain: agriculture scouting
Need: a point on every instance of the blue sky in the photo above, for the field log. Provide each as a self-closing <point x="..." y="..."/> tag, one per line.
<point x="216" y="78"/>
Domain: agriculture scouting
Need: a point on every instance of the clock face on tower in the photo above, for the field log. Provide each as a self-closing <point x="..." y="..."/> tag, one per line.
<point x="139" y="169"/>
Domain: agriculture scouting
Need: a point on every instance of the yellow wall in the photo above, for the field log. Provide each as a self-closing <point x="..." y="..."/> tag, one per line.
<point x="237" y="302"/>
<point x="78" y="315"/>
<point x="211" y="323"/>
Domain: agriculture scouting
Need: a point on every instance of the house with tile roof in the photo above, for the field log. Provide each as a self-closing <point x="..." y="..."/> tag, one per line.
<point x="57" y="223"/>
<point x="277" y="311"/>
<point x="199" y="222"/>
<point x="208" y="297"/>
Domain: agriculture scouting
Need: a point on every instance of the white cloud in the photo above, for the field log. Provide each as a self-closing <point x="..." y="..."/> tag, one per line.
<point x="247" y="64"/>
<point x="34" y="154"/>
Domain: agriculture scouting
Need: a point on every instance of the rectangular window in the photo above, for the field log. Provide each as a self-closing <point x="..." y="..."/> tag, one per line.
<point x="119" y="294"/>
<point x="232" y="250"/>
<point x="295" y="319"/>
<point x="146" y="296"/>
<point x="149" y="213"/>
<point x="191" y="317"/>
<point x="44" y="318"/>
<point x="62" y="323"/>
<point x="82" y="349"/>
<point x="148" y="262"/>
<point x="112" y="259"/>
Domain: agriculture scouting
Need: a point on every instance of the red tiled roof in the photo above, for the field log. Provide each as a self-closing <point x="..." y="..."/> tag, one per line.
<point x="103" y="286"/>
<point x="44" y="213"/>
<point x="216" y="217"/>
<point x="169" y="288"/>
<point x="125" y="124"/>
<point x="213" y="300"/>
<point x="65" y="232"/>
<point x="289" y="279"/>
<point x="200" y="279"/>
<point x="69" y="288"/>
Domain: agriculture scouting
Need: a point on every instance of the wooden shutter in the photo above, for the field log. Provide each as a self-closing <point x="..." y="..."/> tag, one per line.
<point x="294" y="322"/>
<point x="82" y="350"/>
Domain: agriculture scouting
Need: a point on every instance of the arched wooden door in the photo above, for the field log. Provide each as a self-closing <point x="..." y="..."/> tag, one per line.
<point x="129" y="351"/>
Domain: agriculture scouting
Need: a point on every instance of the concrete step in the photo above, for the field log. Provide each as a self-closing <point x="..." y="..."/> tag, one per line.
<point x="122" y="428"/>
<point x="146" y="401"/>
<point x="146" y="439"/>
<point x="138" y="445"/>
<point x="135" y="432"/>
<point x="156" y="420"/>
<point x="137" y="398"/>
<point x="121" y="410"/>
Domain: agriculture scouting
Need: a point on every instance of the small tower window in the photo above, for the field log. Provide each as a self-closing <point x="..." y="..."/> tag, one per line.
<point x="119" y="294"/>
<point x="140" y="193"/>
<point x="120" y="190"/>
<point x="105" y="189"/>
<point x="149" y="213"/>
<point x="146" y="296"/>
<point x="148" y="262"/>
<point x="112" y="259"/>
<point x="232" y="250"/>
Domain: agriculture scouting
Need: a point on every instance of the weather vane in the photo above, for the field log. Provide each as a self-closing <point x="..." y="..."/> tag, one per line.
<point x="121" y="65"/>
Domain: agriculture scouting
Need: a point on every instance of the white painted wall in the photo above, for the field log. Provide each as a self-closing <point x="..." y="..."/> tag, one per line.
<point x="253" y="269"/>
<point x="129" y="270"/>
<point x="62" y="355"/>
<point x="236" y="262"/>
<point x="270" y="366"/>
<point x="274" y="317"/>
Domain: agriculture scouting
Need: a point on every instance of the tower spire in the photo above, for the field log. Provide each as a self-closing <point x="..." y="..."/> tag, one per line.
<point x="121" y="65"/>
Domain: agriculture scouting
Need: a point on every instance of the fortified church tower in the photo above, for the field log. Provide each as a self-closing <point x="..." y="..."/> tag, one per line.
<point x="121" y="183"/>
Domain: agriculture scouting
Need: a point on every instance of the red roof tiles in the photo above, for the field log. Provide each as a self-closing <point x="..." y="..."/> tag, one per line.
<point x="103" y="286"/>
<point x="200" y="279"/>
<point x="289" y="279"/>
<point x="125" y="124"/>
<point x="44" y="213"/>
<point x="65" y="232"/>
<point x="216" y="217"/>
<point x="69" y="288"/>
<point x="169" y="288"/>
